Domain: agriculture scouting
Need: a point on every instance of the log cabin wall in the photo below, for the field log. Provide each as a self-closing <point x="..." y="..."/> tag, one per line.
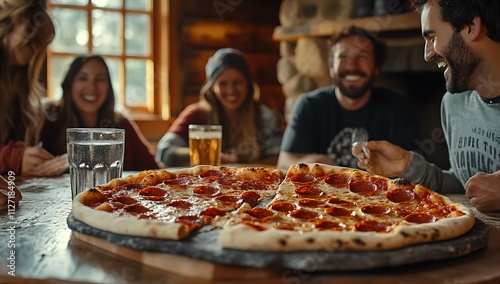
<point x="205" y="26"/>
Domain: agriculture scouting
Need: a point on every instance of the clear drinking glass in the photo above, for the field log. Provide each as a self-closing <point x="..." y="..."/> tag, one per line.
<point x="95" y="156"/>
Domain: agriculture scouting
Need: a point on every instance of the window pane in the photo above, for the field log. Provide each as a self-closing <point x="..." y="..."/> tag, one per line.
<point x="71" y="31"/>
<point x="107" y="3"/>
<point x="138" y="5"/>
<point x="136" y="82"/>
<point x="59" y="67"/>
<point x="114" y="67"/>
<point x="70" y="2"/>
<point x="106" y="31"/>
<point x="137" y="34"/>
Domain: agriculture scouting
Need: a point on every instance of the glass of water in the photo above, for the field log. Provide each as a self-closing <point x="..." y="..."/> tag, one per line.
<point x="95" y="156"/>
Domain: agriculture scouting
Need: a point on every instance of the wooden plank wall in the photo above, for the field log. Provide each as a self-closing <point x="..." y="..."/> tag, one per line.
<point x="205" y="26"/>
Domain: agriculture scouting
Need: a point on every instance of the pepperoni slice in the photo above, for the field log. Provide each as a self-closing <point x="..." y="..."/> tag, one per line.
<point x="381" y="184"/>
<point x="250" y="197"/>
<point x="340" y="202"/>
<point x="206" y="190"/>
<point x="213" y="212"/>
<point x="400" y="195"/>
<point x="180" y="204"/>
<point x="420" y="218"/>
<point x="231" y="182"/>
<point x="176" y="182"/>
<point x="302" y="178"/>
<point x="153" y="191"/>
<point x="339" y="212"/>
<point x="282" y="207"/>
<point x="329" y="225"/>
<point x="228" y="198"/>
<point x="135" y="208"/>
<point x="124" y="199"/>
<point x="375" y="210"/>
<point x="310" y="203"/>
<point x="253" y="185"/>
<point x="93" y="198"/>
<point x="211" y="173"/>
<point x="338" y="180"/>
<point x="371" y="226"/>
<point x="363" y="187"/>
<point x="303" y="214"/>
<point x="259" y="213"/>
<point x="307" y="190"/>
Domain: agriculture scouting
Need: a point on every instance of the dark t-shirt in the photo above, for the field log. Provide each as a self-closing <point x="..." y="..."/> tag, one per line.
<point x="318" y="124"/>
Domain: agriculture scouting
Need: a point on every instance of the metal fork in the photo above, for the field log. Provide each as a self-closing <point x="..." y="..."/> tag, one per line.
<point x="360" y="135"/>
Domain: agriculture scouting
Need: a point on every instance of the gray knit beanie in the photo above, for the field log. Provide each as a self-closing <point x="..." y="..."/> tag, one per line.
<point x="223" y="59"/>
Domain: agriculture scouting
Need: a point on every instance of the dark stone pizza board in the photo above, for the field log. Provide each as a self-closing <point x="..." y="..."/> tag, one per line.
<point x="203" y="245"/>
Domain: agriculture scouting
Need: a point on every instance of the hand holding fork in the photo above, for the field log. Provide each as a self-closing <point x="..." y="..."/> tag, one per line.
<point x="359" y="139"/>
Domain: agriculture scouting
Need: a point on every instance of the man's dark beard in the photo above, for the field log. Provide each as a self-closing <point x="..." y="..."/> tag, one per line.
<point x="462" y="64"/>
<point x="355" y="92"/>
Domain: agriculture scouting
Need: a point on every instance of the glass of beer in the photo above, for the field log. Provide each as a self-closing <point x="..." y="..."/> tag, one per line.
<point x="205" y="144"/>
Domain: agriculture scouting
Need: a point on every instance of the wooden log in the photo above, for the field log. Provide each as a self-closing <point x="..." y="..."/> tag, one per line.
<point x="250" y="37"/>
<point x="262" y="66"/>
<point x="404" y="21"/>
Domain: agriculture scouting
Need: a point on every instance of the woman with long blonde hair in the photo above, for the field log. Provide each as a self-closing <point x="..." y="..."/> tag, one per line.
<point x="25" y="31"/>
<point x="229" y="97"/>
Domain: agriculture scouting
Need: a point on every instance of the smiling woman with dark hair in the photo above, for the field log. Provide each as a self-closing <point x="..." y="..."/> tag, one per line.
<point x="88" y="100"/>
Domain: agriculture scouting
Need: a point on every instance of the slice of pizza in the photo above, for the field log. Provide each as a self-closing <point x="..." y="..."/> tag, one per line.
<point x="321" y="207"/>
<point x="172" y="204"/>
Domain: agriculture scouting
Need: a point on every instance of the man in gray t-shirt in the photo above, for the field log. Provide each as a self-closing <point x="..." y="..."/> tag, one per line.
<point x="467" y="42"/>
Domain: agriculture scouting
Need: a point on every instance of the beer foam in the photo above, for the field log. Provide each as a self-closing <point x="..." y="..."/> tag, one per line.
<point x="205" y="135"/>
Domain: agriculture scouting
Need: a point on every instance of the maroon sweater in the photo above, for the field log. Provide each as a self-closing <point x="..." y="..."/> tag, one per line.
<point x="11" y="157"/>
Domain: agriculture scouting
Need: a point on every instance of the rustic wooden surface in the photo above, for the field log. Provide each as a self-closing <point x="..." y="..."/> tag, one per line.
<point x="48" y="252"/>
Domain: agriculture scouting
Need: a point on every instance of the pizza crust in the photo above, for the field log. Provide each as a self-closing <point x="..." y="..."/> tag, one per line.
<point x="244" y="237"/>
<point x="127" y="225"/>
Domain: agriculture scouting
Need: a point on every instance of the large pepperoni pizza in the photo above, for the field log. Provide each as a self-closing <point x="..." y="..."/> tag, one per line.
<point x="315" y="207"/>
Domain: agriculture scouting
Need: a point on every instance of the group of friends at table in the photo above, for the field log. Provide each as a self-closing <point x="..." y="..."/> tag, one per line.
<point x="462" y="36"/>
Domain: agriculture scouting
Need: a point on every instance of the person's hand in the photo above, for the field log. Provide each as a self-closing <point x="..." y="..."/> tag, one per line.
<point x="38" y="162"/>
<point x="483" y="191"/>
<point x="32" y="158"/>
<point x="385" y="159"/>
<point x="228" y="158"/>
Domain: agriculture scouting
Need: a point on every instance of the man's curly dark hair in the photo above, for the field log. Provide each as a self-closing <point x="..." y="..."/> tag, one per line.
<point x="460" y="13"/>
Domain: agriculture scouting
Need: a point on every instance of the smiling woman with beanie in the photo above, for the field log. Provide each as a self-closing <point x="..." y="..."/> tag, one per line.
<point x="229" y="97"/>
